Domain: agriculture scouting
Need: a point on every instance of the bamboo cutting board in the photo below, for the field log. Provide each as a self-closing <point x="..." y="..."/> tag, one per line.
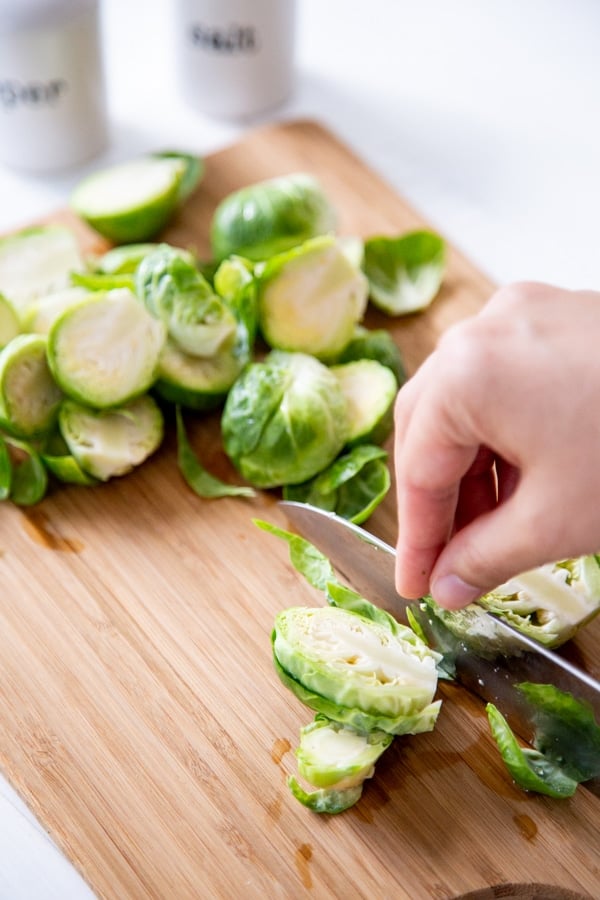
<point x="140" y="716"/>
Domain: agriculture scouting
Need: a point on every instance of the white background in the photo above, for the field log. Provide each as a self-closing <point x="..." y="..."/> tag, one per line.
<point x="485" y="116"/>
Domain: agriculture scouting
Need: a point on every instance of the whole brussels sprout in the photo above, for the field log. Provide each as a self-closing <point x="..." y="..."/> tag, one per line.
<point x="284" y="420"/>
<point x="271" y="216"/>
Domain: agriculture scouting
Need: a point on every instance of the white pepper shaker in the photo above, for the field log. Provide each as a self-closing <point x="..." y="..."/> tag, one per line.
<point x="52" y="95"/>
<point x="234" y="58"/>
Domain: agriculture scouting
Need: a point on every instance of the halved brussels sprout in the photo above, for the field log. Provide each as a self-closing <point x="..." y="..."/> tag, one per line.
<point x="37" y="261"/>
<point x="29" y="395"/>
<point x="107" y="443"/>
<point x="262" y="219"/>
<point x="311" y="298"/>
<point x="104" y="351"/>
<point x="370" y="390"/>
<point x="284" y="420"/>
<point x="173" y="290"/>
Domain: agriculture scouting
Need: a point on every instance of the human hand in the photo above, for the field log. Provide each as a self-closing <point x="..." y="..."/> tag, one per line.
<point x="498" y="446"/>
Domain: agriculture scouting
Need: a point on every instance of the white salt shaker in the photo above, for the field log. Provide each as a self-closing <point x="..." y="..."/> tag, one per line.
<point x="52" y="97"/>
<point x="234" y="58"/>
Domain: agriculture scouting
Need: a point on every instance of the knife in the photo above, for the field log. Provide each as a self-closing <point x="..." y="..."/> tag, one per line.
<point x="368" y="565"/>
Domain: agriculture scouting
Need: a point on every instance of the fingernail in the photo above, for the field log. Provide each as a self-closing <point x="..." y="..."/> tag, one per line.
<point x="452" y="592"/>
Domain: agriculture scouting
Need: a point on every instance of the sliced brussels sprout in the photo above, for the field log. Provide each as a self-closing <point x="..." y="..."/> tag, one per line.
<point x="370" y="390"/>
<point x="375" y="344"/>
<point x="42" y="313"/>
<point x="131" y="202"/>
<point x="35" y="262"/>
<point x="332" y="755"/>
<point x="196" y="318"/>
<point x="9" y="322"/>
<point x="356" y="664"/>
<point x="104" y="351"/>
<point x="405" y="273"/>
<point x="197" y="382"/>
<point x="353" y="485"/>
<point x="284" y="420"/>
<point x="311" y="298"/>
<point x="29" y="395"/>
<point x="108" y="443"/>
<point x="330" y="801"/>
<point x="271" y="216"/>
<point x="551" y="602"/>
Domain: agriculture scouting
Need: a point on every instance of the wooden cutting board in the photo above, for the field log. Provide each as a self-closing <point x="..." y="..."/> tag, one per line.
<point x="140" y="716"/>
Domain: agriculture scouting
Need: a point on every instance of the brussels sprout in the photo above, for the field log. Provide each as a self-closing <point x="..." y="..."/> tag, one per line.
<point x="107" y="443"/>
<point x="271" y="216"/>
<point x="310" y="299"/>
<point x="130" y="202"/>
<point x="331" y="755"/>
<point x="405" y="273"/>
<point x="35" y="262"/>
<point x="370" y="390"/>
<point x="353" y="485"/>
<point x="29" y="396"/>
<point x="173" y="290"/>
<point x="551" y="602"/>
<point x="355" y="670"/>
<point x="104" y="351"/>
<point x="284" y="420"/>
<point x="375" y="344"/>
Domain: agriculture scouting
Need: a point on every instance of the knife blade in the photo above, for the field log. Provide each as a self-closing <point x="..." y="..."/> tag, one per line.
<point x="368" y="565"/>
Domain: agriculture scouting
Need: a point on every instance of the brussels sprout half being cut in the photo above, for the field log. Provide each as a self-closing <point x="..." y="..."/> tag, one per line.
<point x="370" y="390"/>
<point x="271" y="216"/>
<point x="311" y="298"/>
<point x="284" y="420"/>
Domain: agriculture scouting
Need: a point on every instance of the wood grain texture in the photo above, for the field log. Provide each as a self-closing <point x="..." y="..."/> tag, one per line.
<point x="140" y="715"/>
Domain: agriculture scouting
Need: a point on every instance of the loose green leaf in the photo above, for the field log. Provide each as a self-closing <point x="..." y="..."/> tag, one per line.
<point x="202" y="482"/>
<point x="566" y="731"/>
<point x="304" y="556"/>
<point x="325" y="800"/>
<point x="405" y="273"/>
<point x="100" y="281"/>
<point x="30" y="479"/>
<point x="530" y="769"/>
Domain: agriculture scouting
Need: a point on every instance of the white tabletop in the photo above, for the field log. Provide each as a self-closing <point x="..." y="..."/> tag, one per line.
<point x="483" y="115"/>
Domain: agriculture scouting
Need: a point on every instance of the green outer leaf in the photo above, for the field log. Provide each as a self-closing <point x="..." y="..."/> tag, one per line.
<point x="202" y="482"/>
<point x="99" y="281"/>
<point x="304" y="556"/>
<point x="325" y="801"/>
<point x="530" y="769"/>
<point x="66" y="469"/>
<point x="565" y="730"/>
<point x="6" y="470"/>
<point x="194" y="171"/>
<point x="30" y="479"/>
<point x="404" y="273"/>
<point x="352" y="486"/>
<point x="356" y="718"/>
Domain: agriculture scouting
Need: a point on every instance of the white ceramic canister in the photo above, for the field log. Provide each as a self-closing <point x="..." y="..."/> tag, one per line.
<point x="235" y="58"/>
<point x="52" y="96"/>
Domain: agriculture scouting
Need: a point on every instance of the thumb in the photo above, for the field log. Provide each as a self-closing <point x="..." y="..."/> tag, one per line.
<point x="491" y="549"/>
